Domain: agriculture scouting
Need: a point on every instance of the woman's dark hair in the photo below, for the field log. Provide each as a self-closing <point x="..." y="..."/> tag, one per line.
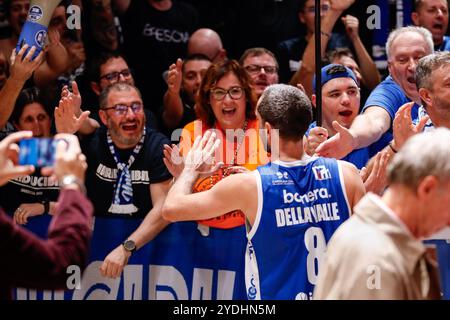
<point x="29" y="96"/>
<point x="214" y="73"/>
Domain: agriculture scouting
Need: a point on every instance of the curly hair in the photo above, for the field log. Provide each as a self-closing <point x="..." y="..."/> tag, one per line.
<point x="214" y="73"/>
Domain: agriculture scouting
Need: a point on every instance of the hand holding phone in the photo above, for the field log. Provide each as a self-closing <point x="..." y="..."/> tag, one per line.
<point x="8" y="157"/>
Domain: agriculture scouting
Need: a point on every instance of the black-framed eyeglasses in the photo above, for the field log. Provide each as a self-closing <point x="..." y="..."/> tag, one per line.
<point x="122" y="109"/>
<point x="254" y="69"/>
<point x="115" y="76"/>
<point x="235" y="93"/>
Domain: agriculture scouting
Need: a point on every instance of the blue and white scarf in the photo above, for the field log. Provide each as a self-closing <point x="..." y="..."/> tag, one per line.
<point x="122" y="202"/>
<point x="421" y="114"/>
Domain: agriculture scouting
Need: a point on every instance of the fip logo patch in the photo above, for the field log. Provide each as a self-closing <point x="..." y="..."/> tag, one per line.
<point x="35" y="13"/>
<point x="321" y="173"/>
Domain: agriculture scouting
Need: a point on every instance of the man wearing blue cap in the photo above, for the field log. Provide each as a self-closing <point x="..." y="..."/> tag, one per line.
<point x="340" y="103"/>
<point x="404" y="47"/>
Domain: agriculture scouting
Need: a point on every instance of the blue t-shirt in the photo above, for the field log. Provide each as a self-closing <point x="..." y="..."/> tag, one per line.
<point x="389" y="96"/>
<point x="300" y="205"/>
<point x="445" y="45"/>
<point x="358" y="157"/>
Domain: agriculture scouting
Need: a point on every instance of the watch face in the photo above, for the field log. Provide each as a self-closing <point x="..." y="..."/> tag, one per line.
<point x="129" y="245"/>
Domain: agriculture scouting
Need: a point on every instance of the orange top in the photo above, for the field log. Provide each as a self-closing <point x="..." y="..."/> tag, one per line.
<point x="248" y="152"/>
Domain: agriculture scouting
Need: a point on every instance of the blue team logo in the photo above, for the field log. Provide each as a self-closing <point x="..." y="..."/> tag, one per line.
<point x="35" y="13"/>
<point x="321" y="173"/>
<point x="40" y="38"/>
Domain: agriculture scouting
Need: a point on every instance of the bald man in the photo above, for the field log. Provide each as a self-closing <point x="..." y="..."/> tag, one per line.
<point x="207" y="42"/>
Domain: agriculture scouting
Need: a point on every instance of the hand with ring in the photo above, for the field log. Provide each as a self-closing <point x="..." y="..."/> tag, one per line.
<point x="27" y="210"/>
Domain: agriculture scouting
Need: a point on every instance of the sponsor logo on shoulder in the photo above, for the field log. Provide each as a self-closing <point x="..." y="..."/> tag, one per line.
<point x="282" y="179"/>
<point x="321" y="173"/>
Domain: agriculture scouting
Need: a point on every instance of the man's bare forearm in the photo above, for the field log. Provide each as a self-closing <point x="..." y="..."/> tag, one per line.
<point x="367" y="129"/>
<point x="8" y="97"/>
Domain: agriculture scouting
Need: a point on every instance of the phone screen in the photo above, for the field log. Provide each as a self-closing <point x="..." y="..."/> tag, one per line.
<point x="39" y="152"/>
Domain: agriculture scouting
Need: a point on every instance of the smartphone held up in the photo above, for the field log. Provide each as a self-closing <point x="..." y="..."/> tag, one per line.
<point x="39" y="152"/>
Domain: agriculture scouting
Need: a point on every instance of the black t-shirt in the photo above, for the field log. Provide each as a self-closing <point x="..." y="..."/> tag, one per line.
<point x="290" y="52"/>
<point x="101" y="174"/>
<point x="28" y="189"/>
<point x="188" y="116"/>
<point x="153" y="40"/>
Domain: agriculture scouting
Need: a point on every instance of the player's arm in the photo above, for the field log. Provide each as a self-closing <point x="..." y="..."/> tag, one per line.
<point x="236" y="192"/>
<point x="354" y="186"/>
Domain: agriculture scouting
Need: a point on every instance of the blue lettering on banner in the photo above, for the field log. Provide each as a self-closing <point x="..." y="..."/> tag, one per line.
<point x="178" y="264"/>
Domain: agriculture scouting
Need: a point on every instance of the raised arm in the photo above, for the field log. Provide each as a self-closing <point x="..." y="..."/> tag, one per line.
<point x="69" y="118"/>
<point x="173" y="105"/>
<point x="369" y="71"/>
<point x="305" y="74"/>
<point x="55" y="63"/>
<point x="20" y="71"/>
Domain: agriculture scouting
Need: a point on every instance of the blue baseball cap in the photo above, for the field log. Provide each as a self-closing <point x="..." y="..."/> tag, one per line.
<point x="333" y="71"/>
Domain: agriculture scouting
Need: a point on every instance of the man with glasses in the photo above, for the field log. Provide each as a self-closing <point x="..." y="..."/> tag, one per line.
<point x="103" y="71"/>
<point x="262" y="66"/>
<point x="126" y="176"/>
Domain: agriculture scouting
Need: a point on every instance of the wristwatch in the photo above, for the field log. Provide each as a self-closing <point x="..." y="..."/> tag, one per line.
<point x="129" y="245"/>
<point x="71" y="180"/>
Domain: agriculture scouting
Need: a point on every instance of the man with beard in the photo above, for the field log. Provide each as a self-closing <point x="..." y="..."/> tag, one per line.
<point x="433" y="15"/>
<point x="262" y="67"/>
<point x="183" y="81"/>
<point x="432" y="82"/>
<point x="404" y="48"/>
<point x="126" y="175"/>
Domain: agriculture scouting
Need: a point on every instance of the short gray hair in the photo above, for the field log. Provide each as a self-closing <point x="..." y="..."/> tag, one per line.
<point x="425" y="154"/>
<point x="426" y="35"/>
<point x="427" y="65"/>
<point x="118" y="86"/>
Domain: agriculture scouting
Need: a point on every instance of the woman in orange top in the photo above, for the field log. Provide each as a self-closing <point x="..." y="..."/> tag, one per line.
<point x="226" y="104"/>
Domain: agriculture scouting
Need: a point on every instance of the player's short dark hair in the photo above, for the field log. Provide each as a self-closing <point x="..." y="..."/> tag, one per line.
<point x="287" y="109"/>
